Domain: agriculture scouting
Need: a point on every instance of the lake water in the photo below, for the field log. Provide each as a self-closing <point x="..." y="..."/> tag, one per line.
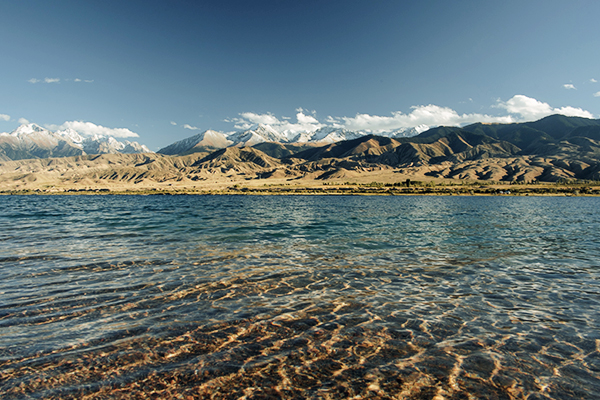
<point x="299" y="297"/>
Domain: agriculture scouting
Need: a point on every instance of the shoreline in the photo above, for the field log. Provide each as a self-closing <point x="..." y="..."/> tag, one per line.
<point x="542" y="190"/>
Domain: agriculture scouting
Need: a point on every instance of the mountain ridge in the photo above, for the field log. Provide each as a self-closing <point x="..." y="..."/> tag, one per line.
<point x="263" y="133"/>
<point x="32" y="141"/>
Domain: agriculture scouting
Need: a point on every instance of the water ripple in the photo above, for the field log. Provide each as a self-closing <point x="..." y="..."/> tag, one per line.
<point x="299" y="297"/>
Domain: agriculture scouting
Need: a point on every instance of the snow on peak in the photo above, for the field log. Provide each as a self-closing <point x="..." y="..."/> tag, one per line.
<point x="264" y="128"/>
<point x="421" y="128"/>
<point x="331" y="134"/>
<point x="262" y="133"/>
<point x="28" y="129"/>
<point x="302" y="137"/>
<point x="71" y="134"/>
<point x="269" y="134"/>
<point x="69" y="142"/>
<point x="134" y="147"/>
<point x="205" y="139"/>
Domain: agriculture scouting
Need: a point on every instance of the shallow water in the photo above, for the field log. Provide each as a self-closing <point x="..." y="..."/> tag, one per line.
<point x="299" y="297"/>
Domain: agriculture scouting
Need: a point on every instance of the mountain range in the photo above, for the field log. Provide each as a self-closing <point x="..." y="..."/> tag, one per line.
<point x="551" y="149"/>
<point x="210" y="140"/>
<point x="30" y="141"/>
<point x="555" y="147"/>
<point x="33" y="141"/>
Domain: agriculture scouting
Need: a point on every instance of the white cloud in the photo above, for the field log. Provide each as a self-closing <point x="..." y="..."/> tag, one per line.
<point x="239" y="123"/>
<point x="193" y="128"/>
<point x="531" y="109"/>
<point x="429" y="115"/>
<point x="305" y="111"/>
<point x="597" y="94"/>
<point x="267" y="119"/>
<point x="4" y="117"/>
<point x="33" y="80"/>
<point x="573" y="112"/>
<point x="51" y="80"/>
<point x="526" y="107"/>
<point x="91" y="129"/>
<point x="519" y="108"/>
<point x="593" y="80"/>
<point x="569" y="86"/>
<point x="306" y="119"/>
<point x="304" y="123"/>
<point x="23" y="121"/>
<point x="173" y="123"/>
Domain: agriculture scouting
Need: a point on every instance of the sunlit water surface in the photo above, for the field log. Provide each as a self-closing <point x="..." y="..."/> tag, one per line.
<point x="299" y="297"/>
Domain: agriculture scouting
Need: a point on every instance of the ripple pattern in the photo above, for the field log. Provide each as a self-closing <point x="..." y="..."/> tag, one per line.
<point x="299" y="297"/>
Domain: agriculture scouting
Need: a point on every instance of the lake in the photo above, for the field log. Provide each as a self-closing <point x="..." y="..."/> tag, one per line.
<point x="424" y="297"/>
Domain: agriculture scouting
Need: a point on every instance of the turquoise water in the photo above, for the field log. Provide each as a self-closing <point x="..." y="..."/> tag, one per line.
<point x="299" y="297"/>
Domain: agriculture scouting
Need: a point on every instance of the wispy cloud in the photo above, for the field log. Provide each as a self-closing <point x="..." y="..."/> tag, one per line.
<point x="23" y="121"/>
<point x="530" y="109"/>
<point x="569" y="86"/>
<point x="593" y="80"/>
<point x="45" y="80"/>
<point x="173" y="123"/>
<point x="597" y="94"/>
<point x="91" y="129"/>
<point x="4" y="117"/>
<point x="193" y="128"/>
<point x="57" y="80"/>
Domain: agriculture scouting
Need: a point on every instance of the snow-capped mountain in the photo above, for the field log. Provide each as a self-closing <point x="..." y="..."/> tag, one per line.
<point x="134" y="147"/>
<point x="302" y="137"/>
<point x="33" y="141"/>
<point x="210" y="140"/>
<point x="109" y="145"/>
<point x="70" y="134"/>
<point x="329" y="135"/>
<point x="405" y="132"/>
<point x="262" y="133"/>
<point x="103" y="144"/>
<point x="201" y="142"/>
<point x="265" y="133"/>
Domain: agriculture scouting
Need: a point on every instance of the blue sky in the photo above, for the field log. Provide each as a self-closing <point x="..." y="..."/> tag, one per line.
<point x="165" y="70"/>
